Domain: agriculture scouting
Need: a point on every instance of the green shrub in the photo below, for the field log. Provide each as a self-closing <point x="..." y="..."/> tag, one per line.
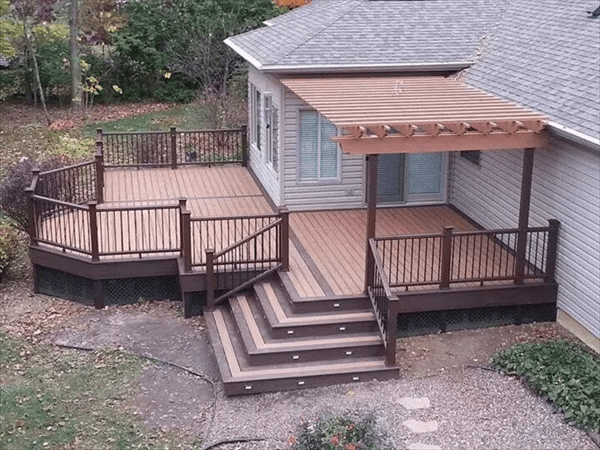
<point x="8" y="246"/>
<point x="13" y="201"/>
<point x="175" y="91"/>
<point x="564" y="373"/>
<point x="342" y="433"/>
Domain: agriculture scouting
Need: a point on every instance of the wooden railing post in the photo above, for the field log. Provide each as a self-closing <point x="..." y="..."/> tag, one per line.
<point x="186" y="237"/>
<point x="173" y="148"/>
<point x="284" y="244"/>
<point x="392" y="334"/>
<point x="182" y="208"/>
<point x="244" y="145"/>
<point x="94" y="230"/>
<point x="99" y="157"/>
<point x="521" y="248"/>
<point x="31" y="228"/>
<point x="98" y="134"/>
<point x="446" y="257"/>
<point x="31" y="216"/>
<point x="210" y="278"/>
<point x="550" y="275"/>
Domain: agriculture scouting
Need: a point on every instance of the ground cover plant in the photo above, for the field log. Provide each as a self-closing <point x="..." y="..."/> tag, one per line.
<point x="56" y="398"/>
<point x="342" y="433"/>
<point x="565" y="373"/>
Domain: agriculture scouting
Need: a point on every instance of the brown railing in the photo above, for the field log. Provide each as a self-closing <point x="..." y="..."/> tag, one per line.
<point x="465" y="257"/>
<point x="73" y="184"/>
<point x="137" y="230"/>
<point x="62" y="225"/>
<point x="219" y="233"/>
<point x="452" y="258"/>
<point x="382" y="299"/>
<point x="173" y="148"/>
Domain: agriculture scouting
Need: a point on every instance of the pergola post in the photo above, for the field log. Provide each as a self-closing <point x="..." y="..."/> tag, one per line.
<point x="371" y="216"/>
<point x="526" y="179"/>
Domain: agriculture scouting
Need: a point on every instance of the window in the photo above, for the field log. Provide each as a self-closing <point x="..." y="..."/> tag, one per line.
<point x="319" y="155"/>
<point x="255" y="116"/>
<point x="472" y="155"/>
<point x="272" y="131"/>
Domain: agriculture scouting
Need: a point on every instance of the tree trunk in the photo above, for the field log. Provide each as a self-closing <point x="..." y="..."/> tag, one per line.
<point x="76" y="91"/>
<point x="36" y="71"/>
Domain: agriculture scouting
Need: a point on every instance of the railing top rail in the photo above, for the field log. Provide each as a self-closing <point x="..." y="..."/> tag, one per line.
<point x="408" y="236"/>
<point x="216" y="218"/>
<point x="132" y="133"/>
<point x="209" y="131"/>
<point x="380" y="269"/>
<point x="61" y="203"/>
<point x="103" y="207"/>
<point x="486" y="232"/>
<point x="247" y="239"/>
<point x="62" y="169"/>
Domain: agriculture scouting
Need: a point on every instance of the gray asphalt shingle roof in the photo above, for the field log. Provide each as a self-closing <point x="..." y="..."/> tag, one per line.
<point x="544" y="55"/>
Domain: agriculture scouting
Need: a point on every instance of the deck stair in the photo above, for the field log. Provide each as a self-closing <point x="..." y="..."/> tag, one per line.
<point x="263" y="344"/>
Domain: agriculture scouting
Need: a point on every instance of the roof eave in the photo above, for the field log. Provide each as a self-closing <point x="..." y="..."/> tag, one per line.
<point x="573" y="135"/>
<point x="333" y="68"/>
<point x="371" y="68"/>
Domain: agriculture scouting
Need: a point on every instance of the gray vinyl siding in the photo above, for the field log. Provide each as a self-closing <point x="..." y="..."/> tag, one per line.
<point x="263" y="170"/>
<point x="566" y="186"/>
<point x="347" y="192"/>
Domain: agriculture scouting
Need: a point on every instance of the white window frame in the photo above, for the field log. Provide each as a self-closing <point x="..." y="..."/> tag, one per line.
<point x="255" y="116"/>
<point x="319" y="178"/>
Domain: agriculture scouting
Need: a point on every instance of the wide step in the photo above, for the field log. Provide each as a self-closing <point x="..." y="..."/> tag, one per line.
<point x="262" y="344"/>
<point x="239" y="377"/>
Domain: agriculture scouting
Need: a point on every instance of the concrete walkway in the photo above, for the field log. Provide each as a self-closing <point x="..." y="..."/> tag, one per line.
<point x="458" y="408"/>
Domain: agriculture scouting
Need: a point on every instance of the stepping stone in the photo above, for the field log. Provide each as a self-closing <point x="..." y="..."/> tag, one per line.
<point x="420" y="446"/>
<point x="414" y="402"/>
<point x="418" y="426"/>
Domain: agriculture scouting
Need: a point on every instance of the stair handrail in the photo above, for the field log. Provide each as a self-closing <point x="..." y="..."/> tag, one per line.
<point x="384" y="306"/>
<point x="264" y="266"/>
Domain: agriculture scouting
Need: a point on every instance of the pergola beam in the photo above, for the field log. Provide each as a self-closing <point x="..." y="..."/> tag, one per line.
<point x="495" y="140"/>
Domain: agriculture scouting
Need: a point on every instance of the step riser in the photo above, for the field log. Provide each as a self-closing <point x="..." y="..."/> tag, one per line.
<point x="259" y="359"/>
<point x="326" y="305"/>
<point x="329" y="306"/>
<point x="256" y="387"/>
<point x="341" y="329"/>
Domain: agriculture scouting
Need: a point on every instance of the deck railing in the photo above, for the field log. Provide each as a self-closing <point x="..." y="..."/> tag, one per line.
<point x="74" y="184"/>
<point x="382" y="298"/>
<point x="248" y="260"/>
<point x="466" y="257"/>
<point x="450" y="258"/>
<point x="173" y="148"/>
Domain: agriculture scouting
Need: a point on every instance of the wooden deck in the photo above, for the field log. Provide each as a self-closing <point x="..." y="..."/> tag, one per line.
<point x="329" y="256"/>
<point x="327" y="248"/>
<point x="211" y="191"/>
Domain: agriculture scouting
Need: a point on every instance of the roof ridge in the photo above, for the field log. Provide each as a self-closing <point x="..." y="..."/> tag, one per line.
<point x="358" y="2"/>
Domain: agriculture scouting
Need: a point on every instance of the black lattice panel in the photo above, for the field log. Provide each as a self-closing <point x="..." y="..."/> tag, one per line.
<point x="121" y="291"/>
<point x="415" y="324"/>
<point x="65" y="285"/>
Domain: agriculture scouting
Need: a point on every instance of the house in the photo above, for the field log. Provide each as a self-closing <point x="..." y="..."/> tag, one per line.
<point x="411" y="165"/>
<point x="544" y="56"/>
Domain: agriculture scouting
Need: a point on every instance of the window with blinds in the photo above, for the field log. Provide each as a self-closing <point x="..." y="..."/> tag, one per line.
<point x="319" y="155"/>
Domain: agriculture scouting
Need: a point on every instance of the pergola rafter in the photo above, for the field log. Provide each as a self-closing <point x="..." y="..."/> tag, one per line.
<point x="391" y="114"/>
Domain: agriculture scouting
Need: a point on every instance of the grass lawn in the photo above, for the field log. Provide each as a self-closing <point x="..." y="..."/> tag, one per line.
<point x="185" y="117"/>
<point x="52" y="398"/>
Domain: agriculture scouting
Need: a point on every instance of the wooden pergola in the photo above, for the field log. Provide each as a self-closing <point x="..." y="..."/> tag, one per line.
<point x="419" y="114"/>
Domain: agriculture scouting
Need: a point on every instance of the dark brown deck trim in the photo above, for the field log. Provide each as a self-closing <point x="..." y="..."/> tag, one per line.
<point x="475" y="297"/>
<point x="101" y="270"/>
